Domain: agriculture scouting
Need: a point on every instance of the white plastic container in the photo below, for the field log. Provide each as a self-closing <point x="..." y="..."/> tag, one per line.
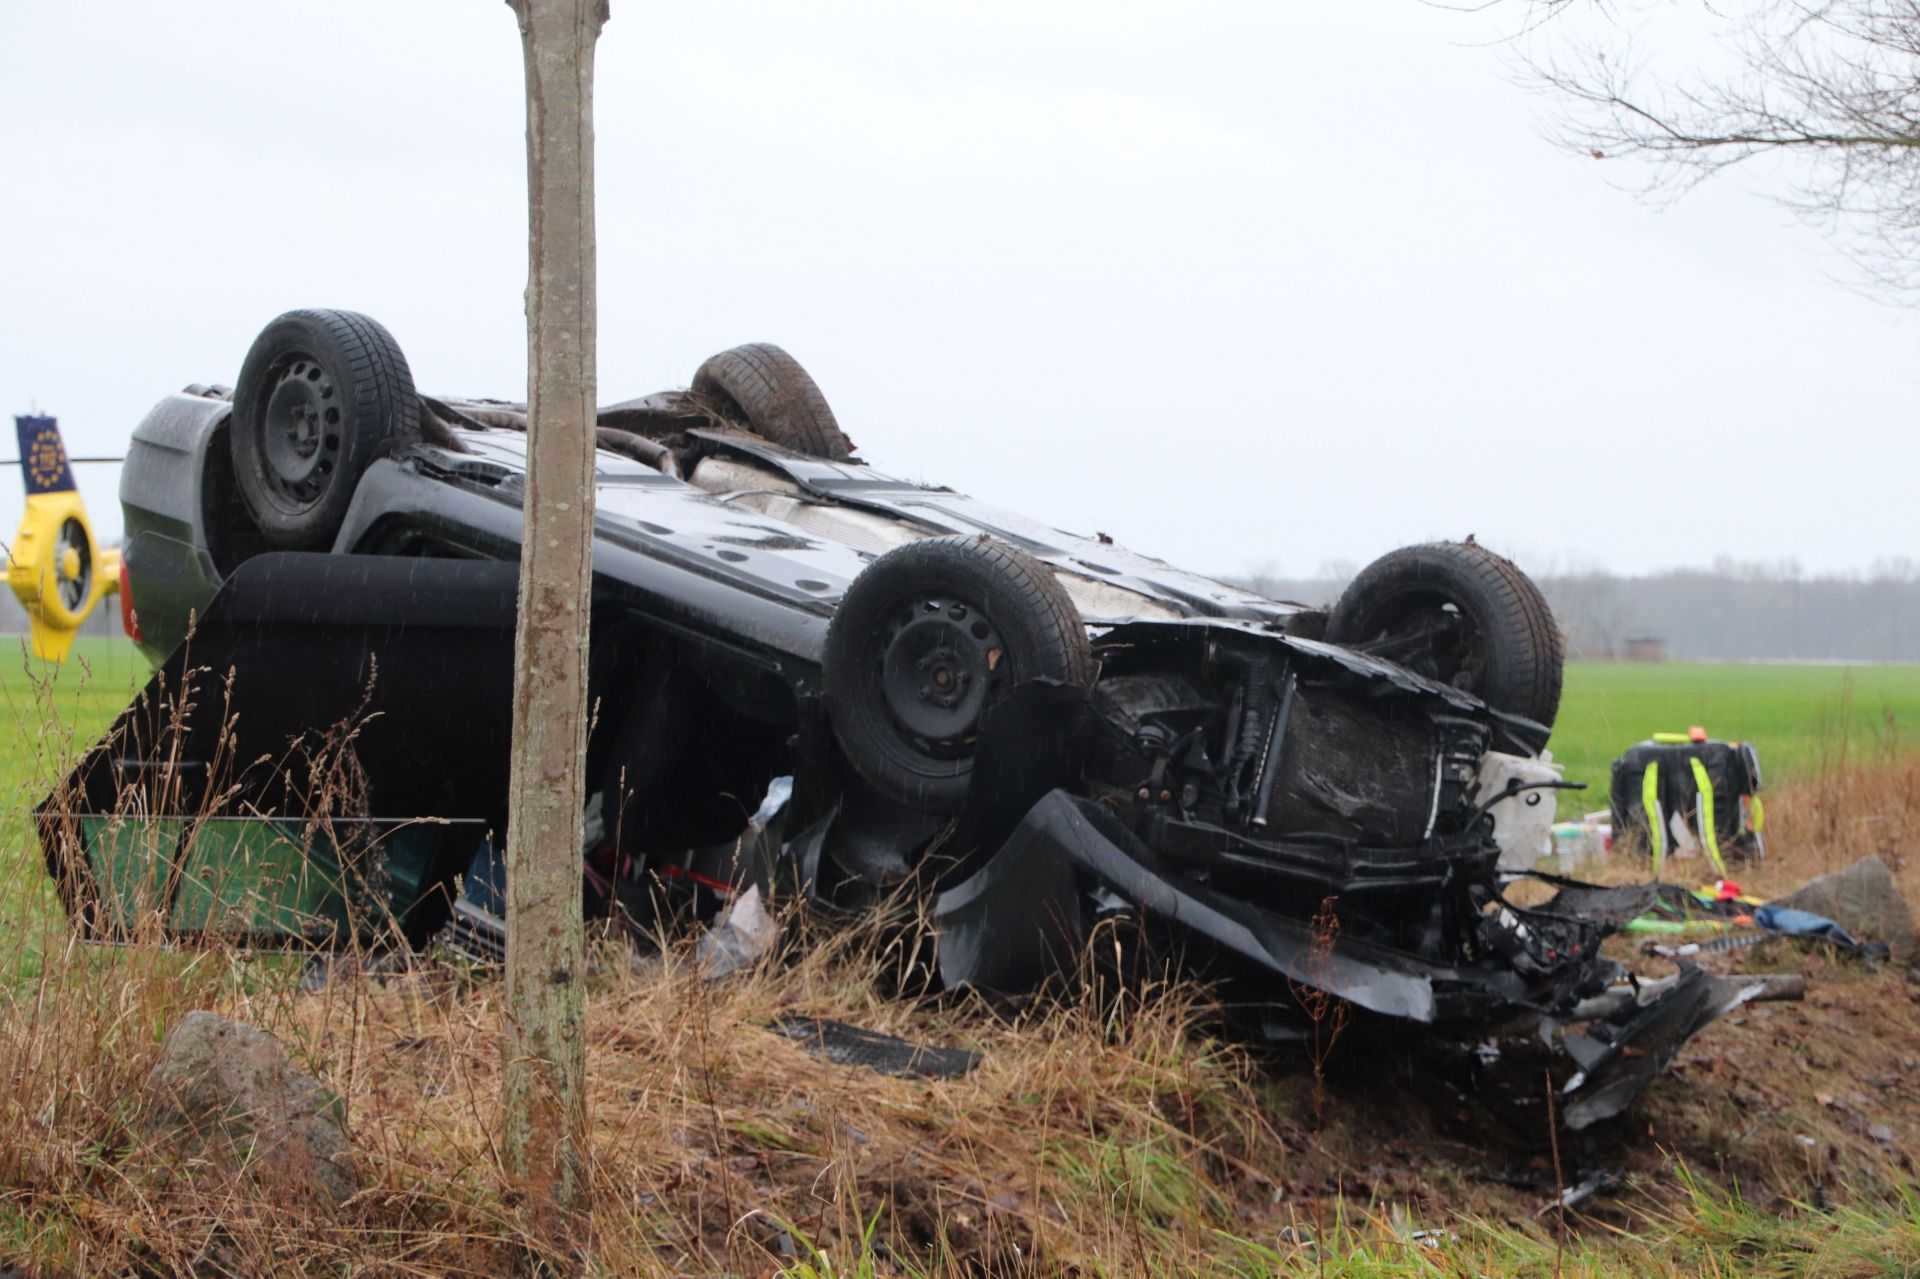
<point x="1523" y="822"/>
<point x="1576" y="842"/>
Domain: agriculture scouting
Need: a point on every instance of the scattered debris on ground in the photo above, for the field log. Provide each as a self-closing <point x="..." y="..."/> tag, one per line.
<point x="743" y="934"/>
<point x="846" y="1045"/>
<point x="1864" y="900"/>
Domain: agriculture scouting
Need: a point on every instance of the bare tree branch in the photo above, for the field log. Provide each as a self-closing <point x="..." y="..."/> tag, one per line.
<point x="1830" y="86"/>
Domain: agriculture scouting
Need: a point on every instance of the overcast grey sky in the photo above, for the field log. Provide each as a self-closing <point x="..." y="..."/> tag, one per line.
<point x="1238" y="283"/>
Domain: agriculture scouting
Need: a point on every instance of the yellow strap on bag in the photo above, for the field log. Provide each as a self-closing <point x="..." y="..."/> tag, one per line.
<point x="1656" y="821"/>
<point x="1707" y="835"/>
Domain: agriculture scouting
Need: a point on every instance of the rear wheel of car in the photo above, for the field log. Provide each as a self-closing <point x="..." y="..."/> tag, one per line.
<point x="764" y="387"/>
<point x="320" y="396"/>
<point x="1458" y="613"/>
<point x="928" y="639"/>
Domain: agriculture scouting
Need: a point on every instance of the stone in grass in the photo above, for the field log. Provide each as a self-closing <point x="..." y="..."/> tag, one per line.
<point x="224" y="1094"/>
<point x="1863" y="900"/>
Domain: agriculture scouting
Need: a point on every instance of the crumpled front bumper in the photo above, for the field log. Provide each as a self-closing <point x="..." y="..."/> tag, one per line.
<point x="1025" y="916"/>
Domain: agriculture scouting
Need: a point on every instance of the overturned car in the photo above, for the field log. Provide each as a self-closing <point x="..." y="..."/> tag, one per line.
<point x="806" y="671"/>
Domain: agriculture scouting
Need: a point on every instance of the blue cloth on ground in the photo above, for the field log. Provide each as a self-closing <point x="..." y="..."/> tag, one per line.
<point x="1804" y="923"/>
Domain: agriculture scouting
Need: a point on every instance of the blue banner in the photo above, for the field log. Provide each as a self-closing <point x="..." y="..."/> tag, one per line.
<point x="43" y="458"/>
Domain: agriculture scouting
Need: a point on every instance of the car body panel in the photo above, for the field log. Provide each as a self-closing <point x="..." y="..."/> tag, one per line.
<point x="163" y="489"/>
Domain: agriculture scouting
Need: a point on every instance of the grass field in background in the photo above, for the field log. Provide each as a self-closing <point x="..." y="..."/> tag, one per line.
<point x="1802" y="719"/>
<point x="95" y="683"/>
<point x="48" y="714"/>
<point x="50" y="711"/>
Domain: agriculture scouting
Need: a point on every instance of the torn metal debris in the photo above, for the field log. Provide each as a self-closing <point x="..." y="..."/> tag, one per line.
<point x="1041" y="732"/>
<point x="1631" y="1036"/>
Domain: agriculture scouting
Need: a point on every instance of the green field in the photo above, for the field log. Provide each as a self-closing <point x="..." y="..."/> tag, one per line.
<point x="48" y="708"/>
<point x="51" y="712"/>
<point x="1802" y="719"/>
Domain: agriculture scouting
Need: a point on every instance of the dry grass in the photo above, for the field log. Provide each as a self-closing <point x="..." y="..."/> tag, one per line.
<point x="1084" y="1134"/>
<point x="1101" y="1135"/>
<point x="1852" y="809"/>
<point x="1090" y="1141"/>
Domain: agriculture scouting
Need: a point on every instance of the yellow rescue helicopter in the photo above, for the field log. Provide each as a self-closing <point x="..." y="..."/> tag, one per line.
<point x="54" y="566"/>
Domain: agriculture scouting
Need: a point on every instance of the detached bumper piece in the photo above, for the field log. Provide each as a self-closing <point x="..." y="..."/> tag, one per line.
<point x="1025" y="915"/>
<point x="847" y="1045"/>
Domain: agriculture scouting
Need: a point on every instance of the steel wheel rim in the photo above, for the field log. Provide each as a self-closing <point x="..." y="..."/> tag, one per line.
<point x="300" y="432"/>
<point x="940" y="663"/>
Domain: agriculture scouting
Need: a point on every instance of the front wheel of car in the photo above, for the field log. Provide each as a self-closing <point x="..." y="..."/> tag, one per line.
<point x="320" y="396"/>
<point x="1458" y="613"/>
<point x="927" y="640"/>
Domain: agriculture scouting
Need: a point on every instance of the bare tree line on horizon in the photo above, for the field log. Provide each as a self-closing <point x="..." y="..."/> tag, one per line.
<point x="1735" y="610"/>
<point x="1732" y="610"/>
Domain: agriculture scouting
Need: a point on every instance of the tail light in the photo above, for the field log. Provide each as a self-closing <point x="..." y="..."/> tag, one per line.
<point x="129" y="620"/>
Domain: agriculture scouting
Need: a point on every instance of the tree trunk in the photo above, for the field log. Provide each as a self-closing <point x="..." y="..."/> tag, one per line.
<point x="543" y="1096"/>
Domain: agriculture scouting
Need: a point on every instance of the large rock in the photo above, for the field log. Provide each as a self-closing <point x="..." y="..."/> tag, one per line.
<point x="224" y="1093"/>
<point x="1863" y="900"/>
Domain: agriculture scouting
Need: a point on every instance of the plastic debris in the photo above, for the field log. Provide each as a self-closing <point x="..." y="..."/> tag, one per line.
<point x="1589" y="838"/>
<point x="741" y="936"/>
<point x="1598" y="1183"/>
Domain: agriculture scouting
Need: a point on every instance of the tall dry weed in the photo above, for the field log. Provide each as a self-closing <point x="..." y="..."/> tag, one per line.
<point x="1089" y="1130"/>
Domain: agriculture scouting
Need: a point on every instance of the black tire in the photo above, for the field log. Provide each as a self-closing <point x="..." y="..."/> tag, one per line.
<point x="967" y="620"/>
<point x="1458" y="613"/>
<point x="764" y="387"/>
<point x="321" y="395"/>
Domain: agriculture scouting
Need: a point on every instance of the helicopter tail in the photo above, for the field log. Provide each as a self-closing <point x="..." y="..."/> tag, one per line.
<point x="54" y="566"/>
